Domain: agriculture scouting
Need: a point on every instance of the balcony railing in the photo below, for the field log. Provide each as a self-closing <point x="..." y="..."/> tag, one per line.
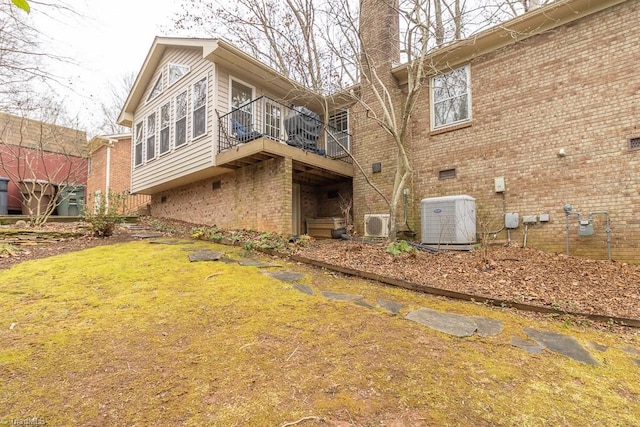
<point x="295" y="126"/>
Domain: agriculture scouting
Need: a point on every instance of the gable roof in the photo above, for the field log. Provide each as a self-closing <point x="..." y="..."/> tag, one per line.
<point x="218" y="51"/>
<point x="99" y="141"/>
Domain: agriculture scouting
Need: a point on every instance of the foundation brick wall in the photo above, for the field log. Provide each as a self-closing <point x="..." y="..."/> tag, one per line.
<point x="256" y="197"/>
<point x="574" y="88"/>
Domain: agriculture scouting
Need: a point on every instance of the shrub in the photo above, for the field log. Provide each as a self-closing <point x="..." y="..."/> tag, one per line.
<point x="400" y="247"/>
<point x="207" y="233"/>
<point x="105" y="214"/>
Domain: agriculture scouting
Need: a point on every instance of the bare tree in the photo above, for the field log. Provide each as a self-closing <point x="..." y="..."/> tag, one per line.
<point x="110" y="107"/>
<point x="42" y="158"/>
<point x="325" y="45"/>
<point x="295" y="37"/>
<point x="23" y="59"/>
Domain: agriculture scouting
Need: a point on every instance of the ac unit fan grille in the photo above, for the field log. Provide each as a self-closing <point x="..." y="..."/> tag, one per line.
<point x="374" y="225"/>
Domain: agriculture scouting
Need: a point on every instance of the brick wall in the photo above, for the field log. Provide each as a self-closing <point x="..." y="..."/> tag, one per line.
<point x="575" y="88"/>
<point x="97" y="172"/>
<point x="256" y="197"/>
<point x="323" y="201"/>
<point x="119" y="174"/>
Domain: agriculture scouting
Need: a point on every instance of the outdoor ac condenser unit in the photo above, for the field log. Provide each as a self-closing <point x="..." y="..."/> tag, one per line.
<point x="449" y="220"/>
<point x="376" y="225"/>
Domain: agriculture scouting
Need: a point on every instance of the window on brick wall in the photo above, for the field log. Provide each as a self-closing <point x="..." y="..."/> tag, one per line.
<point x="165" y="122"/>
<point x="151" y="136"/>
<point x="138" y="140"/>
<point x="181" y="119"/>
<point x="450" y="98"/>
<point x="634" y="143"/>
<point x="199" y="108"/>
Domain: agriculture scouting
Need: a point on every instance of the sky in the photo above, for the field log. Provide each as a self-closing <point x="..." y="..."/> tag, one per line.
<point x="107" y="40"/>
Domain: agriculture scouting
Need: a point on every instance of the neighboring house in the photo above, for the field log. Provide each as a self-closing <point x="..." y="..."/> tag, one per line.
<point x="109" y="170"/>
<point x="33" y="151"/>
<point x="537" y="113"/>
<point x="221" y="139"/>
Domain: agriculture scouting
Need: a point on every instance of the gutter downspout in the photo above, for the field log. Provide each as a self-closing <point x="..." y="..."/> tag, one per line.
<point x="108" y="172"/>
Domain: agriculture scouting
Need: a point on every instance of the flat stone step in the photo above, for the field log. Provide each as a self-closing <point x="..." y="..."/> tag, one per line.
<point x="562" y="344"/>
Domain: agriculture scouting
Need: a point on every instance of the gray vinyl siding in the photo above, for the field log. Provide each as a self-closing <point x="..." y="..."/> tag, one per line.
<point x="193" y="156"/>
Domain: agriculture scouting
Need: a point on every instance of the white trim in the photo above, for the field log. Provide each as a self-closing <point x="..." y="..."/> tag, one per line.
<point x="107" y="174"/>
<point x="153" y="96"/>
<point x="348" y="117"/>
<point x="169" y="82"/>
<point x="155" y="134"/>
<point x="469" y="117"/>
<point x="205" y="105"/>
<point x="160" y="152"/>
<point x="134" y="141"/>
<point x="175" y="120"/>
<point x="242" y="82"/>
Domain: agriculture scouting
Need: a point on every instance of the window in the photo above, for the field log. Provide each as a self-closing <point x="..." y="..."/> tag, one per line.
<point x="450" y="98"/>
<point x="139" y="137"/>
<point x="199" y="108"/>
<point x="165" y="121"/>
<point x="157" y="89"/>
<point x="176" y="72"/>
<point x="181" y="119"/>
<point x="338" y="133"/>
<point x="634" y="143"/>
<point x="151" y="136"/>
<point x="272" y="119"/>
<point x="241" y="95"/>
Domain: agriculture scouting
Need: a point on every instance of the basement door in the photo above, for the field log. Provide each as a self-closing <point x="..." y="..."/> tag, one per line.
<point x="296" y="220"/>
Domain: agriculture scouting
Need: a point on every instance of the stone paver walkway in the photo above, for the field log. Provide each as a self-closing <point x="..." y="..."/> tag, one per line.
<point x="448" y="323"/>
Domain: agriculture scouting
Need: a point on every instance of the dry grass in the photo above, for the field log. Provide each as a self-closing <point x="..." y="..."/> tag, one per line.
<point x="135" y="334"/>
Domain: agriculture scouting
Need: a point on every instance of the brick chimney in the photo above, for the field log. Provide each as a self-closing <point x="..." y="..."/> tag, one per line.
<point x="380" y="32"/>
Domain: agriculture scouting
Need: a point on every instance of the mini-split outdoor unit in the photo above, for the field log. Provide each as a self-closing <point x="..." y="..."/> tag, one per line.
<point x="376" y="225"/>
<point x="449" y="220"/>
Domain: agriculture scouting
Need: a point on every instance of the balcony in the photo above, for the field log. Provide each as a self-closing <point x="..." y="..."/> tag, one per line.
<point x="265" y="128"/>
<point x="295" y="126"/>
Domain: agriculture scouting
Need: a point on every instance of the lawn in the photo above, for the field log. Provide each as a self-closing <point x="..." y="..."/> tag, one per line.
<point x="135" y="334"/>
